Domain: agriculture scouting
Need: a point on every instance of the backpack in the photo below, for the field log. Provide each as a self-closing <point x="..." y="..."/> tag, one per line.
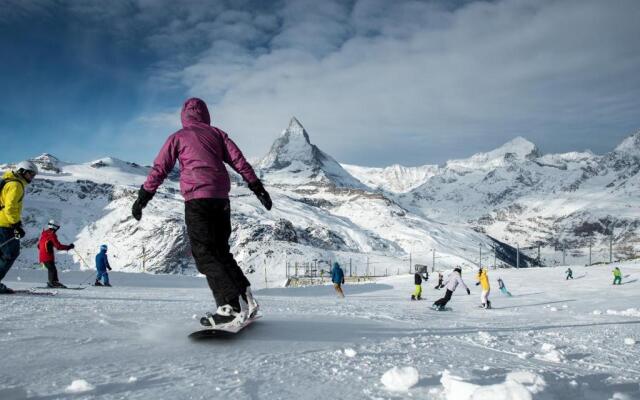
<point x="4" y="182"/>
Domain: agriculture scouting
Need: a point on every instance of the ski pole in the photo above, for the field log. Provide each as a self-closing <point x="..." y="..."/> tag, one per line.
<point x="16" y="237"/>
<point x="85" y="263"/>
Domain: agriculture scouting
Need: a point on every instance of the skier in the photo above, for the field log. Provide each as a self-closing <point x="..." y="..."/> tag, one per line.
<point x="337" y="277"/>
<point x="483" y="279"/>
<point x="452" y="282"/>
<point x="417" y="280"/>
<point x="46" y="255"/>
<point x="617" y="276"/>
<point x="11" y="195"/>
<point x="439" y="285"/>
<point x="503" y="288"/>
<point x="202" y="150"/>
<point x="569" y="273"/>
<point x="102" y="265"/>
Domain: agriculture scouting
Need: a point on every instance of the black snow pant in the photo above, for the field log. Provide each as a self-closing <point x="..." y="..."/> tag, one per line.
<point x="52" y="270"/>
<point x="209" y="227"/>
<point x="443" y="301"/>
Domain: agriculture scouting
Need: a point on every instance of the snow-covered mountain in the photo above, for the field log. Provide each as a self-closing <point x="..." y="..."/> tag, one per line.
<point x="323" y="212"/>
<point x="516" y="194"/>
<point x="320" y="212"/>
<point x="293" y="160"/>
<point x="395" y="179"/>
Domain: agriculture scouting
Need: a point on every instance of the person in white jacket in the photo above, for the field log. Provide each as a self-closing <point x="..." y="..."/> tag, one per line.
<point x="451" y="284"/>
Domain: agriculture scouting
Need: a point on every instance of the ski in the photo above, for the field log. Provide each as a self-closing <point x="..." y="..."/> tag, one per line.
<point x="62" y="288"/>
<point x="33" y="292"/>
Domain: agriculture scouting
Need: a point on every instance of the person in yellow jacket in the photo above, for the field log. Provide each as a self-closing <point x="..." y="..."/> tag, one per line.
<point x="483" y="280"/>
<point x="11" y="196"/>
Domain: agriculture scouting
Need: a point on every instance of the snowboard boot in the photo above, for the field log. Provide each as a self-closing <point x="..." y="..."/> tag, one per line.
<point x="252" y="305"/>
<point x="107" y="285"/>
<point x="5" y="290"/>
<point x="413" y="297"/>
<point x="225" y="316"/>
<point x="58" y="285"/>
<point x="97" y="283"/>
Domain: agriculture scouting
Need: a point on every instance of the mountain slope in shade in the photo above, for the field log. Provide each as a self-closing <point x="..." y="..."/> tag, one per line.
<point x="294" y="160"/>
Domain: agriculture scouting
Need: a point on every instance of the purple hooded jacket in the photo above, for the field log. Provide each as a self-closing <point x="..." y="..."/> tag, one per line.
<point x="201" y="150"/>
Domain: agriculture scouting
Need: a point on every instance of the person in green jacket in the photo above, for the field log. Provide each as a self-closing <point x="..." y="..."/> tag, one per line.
<point x="617" y="276"/>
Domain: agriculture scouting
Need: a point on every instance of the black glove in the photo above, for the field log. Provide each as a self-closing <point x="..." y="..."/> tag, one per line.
<point x="468" y="291"/>
<point x="109" y="268"/>
<point x="18" y="231"/>
<point x="72" y="246"/>
<point x="477" y="283"/>
<point x="141" y="202"/>
<point x="260" y="192"/>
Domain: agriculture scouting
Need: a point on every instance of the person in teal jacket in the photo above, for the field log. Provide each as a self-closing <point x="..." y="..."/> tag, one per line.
<point x="337" y="277"/>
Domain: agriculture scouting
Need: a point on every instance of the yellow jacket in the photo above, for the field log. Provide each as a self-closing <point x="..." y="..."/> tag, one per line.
<point x="484" y="279"/>
<point x="11" y="199"/>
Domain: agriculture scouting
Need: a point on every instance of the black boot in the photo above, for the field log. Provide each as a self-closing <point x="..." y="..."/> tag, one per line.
<point x="97" y="283"/>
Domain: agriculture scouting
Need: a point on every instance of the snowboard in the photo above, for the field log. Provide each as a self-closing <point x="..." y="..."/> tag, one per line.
<point x="31" y="292"/>
<point x="62" y="288"/>
<point x="214" y="332"/>
<point x="441" y="310"/>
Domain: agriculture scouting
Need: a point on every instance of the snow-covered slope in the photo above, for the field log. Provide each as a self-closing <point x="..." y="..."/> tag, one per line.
<point x="553" y="339"/>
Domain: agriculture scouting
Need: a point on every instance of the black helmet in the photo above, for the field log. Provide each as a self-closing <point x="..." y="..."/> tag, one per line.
<point x="458" y="269"/>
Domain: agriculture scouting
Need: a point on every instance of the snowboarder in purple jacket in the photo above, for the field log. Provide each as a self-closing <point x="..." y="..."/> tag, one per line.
<point x="202" y="151"/>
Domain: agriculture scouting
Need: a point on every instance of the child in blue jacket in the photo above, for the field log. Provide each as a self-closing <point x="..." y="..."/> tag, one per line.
<point x="102" y="265"/>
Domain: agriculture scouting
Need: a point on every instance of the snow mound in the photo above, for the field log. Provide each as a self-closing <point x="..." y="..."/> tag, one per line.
<point x="519" y="385"/>
<point x="629" y="341"/>
<point x="629" y="312"/>
<point x="79" y="386"/>
<point x="350" y="353"/>
<point x="400" y="379"/>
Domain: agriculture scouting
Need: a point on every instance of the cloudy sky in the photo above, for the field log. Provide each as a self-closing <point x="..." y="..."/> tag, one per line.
<point x="374" y="82"/>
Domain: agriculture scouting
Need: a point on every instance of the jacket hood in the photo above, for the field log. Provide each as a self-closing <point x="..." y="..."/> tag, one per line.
<point x="12" y="175"/>
<point x="194" y="110"/>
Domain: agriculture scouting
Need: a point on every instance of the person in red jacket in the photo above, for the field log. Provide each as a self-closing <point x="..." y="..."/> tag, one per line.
<point x="49" y="241"/>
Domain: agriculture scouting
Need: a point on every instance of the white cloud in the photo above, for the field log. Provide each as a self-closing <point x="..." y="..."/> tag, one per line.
<point x="377" y="82"/>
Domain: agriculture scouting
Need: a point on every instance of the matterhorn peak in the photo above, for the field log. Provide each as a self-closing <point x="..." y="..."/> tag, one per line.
<point x="293" y="159"/>
<point x="296" y="128"/>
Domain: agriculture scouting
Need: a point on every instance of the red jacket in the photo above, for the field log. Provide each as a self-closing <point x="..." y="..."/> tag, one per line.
<point x="49" y="240"/>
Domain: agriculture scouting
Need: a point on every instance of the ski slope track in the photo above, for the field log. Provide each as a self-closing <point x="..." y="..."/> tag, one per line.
<point x="554" y="339"/>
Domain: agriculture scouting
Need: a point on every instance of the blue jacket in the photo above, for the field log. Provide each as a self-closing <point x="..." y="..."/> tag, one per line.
<point x="102" y="262"/>
<point x="337" y="275"/>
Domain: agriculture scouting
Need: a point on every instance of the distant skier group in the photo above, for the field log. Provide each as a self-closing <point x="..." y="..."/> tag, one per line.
<point x="451" y="283"/>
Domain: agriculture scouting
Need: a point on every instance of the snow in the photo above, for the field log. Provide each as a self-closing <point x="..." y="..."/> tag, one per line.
<point x="400" y="379"/>
<point x="350" y="352"/>
<point x="79" y="386"/>
<point x="513" y="388"/>
<point x="629" y="341"/>
<point x="301" y="348"/>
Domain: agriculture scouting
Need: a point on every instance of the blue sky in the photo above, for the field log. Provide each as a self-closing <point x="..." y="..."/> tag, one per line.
<point x="374" y="82"/>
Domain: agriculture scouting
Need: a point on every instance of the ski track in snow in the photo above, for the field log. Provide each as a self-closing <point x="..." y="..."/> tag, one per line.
<point x="130" y="341"/>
